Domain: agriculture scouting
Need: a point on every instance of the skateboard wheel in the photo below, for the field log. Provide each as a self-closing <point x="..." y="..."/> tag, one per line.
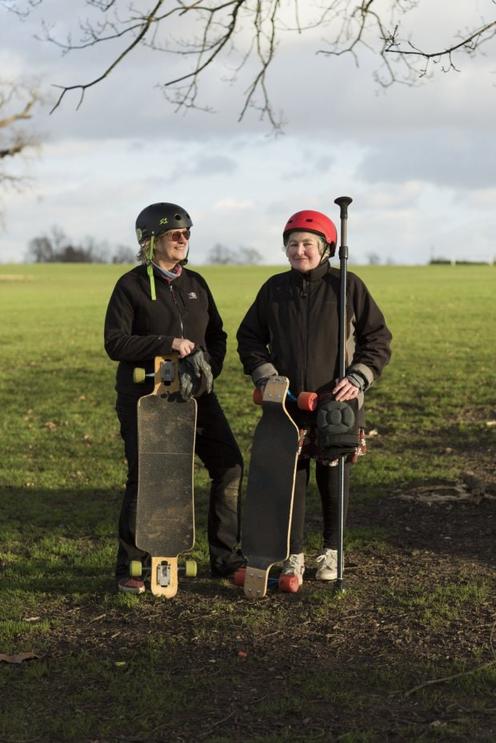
<point x="289" y="584"/>
<point x="257" y="396"/>
<point x="135" y="568"/>
<point x="307" y="401"/>
<point x="139" y="375"/>
<point x="190" y="568"/>
<point x="239" y="577"/>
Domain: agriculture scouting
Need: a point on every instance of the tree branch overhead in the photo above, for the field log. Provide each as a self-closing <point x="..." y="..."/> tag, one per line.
<point x="204" y="35"/>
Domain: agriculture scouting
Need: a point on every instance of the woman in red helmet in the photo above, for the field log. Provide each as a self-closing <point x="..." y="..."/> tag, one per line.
<point x="292" y="330"/>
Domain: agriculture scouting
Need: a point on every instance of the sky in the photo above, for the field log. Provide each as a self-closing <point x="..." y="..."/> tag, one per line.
<point x="419" y="161"/>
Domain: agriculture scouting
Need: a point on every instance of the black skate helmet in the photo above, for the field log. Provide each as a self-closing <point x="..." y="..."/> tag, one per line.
<point x="152" y="222"/>
<point x="159" y="218"/>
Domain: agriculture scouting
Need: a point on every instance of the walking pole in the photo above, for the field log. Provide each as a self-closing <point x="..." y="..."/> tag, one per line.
<point x="343" y="202"/>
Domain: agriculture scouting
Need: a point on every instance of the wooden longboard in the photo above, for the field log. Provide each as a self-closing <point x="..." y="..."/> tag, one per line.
<point x="270" y="489"/>
<point x="165" y="520"/>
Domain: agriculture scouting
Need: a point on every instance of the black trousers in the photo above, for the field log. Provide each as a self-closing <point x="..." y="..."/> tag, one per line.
<point x="218" y="451"/>
<point x="328" y="486"/>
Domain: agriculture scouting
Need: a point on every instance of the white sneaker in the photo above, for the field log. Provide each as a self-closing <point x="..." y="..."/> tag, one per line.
<point x="294" y="565"/>
<point x="327" y="565"/>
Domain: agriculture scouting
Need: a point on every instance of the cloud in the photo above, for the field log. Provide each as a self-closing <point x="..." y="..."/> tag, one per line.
<point x="208" y="165"/>
<point x="230" y="204"/>
<point x="453" y="159"/>
<point x="419" y="162"/>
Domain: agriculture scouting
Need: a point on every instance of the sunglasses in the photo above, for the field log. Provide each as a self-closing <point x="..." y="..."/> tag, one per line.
<point x="178" y="234"/>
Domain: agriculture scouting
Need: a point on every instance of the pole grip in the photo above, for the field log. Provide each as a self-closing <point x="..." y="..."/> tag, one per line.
<point x="343" y="202"/>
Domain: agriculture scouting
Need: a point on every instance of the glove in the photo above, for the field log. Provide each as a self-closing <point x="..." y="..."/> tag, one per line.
<point x="195" y="375"/>
<point x="262" y="374"/>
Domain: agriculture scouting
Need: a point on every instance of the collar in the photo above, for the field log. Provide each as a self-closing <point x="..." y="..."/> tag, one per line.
<point x="316" y="274"/>
<point x="174" y="273"/>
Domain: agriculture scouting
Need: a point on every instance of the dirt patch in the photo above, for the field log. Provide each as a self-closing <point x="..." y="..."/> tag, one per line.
<point x="419" y="609"/>
<point x="407" y="652"/>
<point x="15" y="277"/>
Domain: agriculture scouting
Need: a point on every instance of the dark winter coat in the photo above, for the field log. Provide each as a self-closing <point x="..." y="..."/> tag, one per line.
<point x="137" y="329"/>
<point x="293" y="325"/>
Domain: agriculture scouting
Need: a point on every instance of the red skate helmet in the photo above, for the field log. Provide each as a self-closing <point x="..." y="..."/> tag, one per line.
<point x="310" y="221"/>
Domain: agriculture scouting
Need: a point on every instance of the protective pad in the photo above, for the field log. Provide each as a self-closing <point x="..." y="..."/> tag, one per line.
<point x="337" y="427"/>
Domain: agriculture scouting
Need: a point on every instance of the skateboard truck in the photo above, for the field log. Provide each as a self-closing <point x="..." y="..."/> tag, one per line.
<point x="163" y="569"/>
<point x="167" y="372"/>
<point x="163" y="574"/>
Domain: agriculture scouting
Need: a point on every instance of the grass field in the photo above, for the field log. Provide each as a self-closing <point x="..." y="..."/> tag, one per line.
<point x="407" y="653"/>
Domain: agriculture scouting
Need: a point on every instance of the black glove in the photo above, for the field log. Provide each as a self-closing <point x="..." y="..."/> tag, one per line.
<point x="195" y="375"/>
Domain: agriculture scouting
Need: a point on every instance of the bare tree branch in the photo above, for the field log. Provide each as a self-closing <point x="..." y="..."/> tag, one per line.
<point x="469" y="43"/>
<point x="265" y="60"/>
<point x="83" y="87"/>
<point x="21" y="115"/>
<point x="17" y="101"/>
<point x="218" y="31"/>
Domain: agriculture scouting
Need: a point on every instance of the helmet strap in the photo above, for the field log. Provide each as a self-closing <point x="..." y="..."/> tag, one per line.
<point x="149" y="268"/>
<point x="325" y="253"/>
<point x="185" y="259"/>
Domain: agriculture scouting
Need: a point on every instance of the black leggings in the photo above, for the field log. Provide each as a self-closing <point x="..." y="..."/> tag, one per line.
<point x="328" y="485"/>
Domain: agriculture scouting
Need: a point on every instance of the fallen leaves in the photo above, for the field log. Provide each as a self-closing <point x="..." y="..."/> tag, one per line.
<point x="18" y="658"/>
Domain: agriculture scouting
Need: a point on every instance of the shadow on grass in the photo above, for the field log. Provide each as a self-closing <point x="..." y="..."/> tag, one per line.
<point x="65" y="541"/>
<point x="463" y="530"/>
<point x="71" y="512"/>
<point x="223" y="688"/>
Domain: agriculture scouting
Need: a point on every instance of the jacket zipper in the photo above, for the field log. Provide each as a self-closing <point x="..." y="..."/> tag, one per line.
<point x="173" y="295"/>
<point x="307" y="344"/>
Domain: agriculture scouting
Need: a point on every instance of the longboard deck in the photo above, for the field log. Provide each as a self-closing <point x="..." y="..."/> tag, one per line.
<point x="165" y="509"/>
<point x="270" y="489"/>
<point x="165" y="523"/>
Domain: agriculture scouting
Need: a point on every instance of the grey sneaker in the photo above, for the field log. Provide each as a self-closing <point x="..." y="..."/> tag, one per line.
<point x="294" y="565"/>
<point x="327" y="565"/>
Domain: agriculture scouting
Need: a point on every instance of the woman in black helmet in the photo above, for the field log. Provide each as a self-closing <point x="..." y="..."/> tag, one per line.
<point x="291" y="329"/>
<point x="156" y="308"/>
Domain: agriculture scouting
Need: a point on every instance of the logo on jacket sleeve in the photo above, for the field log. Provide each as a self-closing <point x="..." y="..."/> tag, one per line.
<point x="192" y="295"/>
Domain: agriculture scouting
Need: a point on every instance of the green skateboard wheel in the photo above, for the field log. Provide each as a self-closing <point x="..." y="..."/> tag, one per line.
<point x="190" y="568"/>
<point x="135" y="568"/>
<point x="139" y="375"/>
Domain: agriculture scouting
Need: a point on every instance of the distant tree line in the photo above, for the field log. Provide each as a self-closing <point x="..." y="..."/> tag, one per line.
<point x="456" y="262"/>
<point x="56" y="247"/>
<point x="220" y="254"/>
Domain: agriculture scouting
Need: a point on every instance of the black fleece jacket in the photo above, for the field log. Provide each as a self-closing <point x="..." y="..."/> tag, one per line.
<point x="293" y="325"/>
<point x="137" y="329"/>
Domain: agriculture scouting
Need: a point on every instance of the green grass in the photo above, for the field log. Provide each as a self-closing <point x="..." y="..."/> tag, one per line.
<point x="116" y="667"/>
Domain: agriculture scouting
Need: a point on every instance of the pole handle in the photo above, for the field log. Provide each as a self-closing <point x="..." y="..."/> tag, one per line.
<point x="343" y="202"/>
